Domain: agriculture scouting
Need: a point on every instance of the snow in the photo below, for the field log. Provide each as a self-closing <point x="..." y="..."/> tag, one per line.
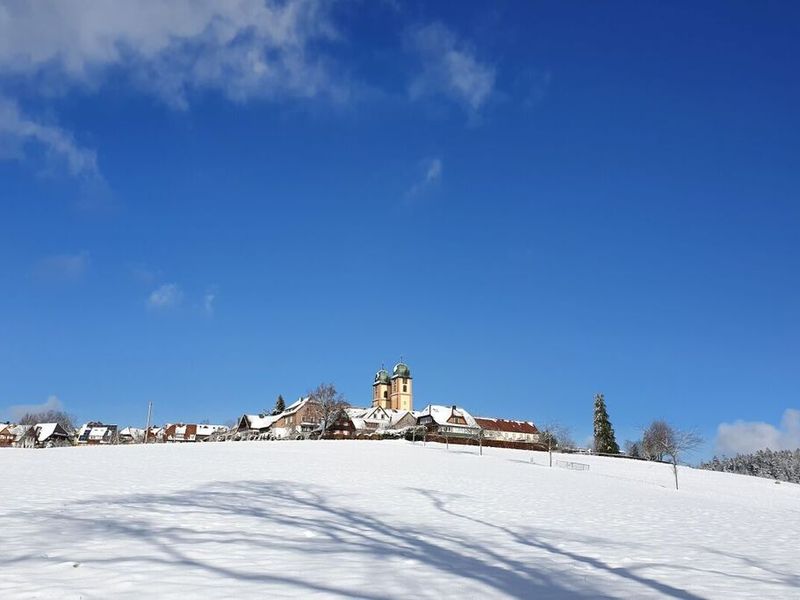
<point x="442" y="414"/>
<point x="260" y="421"/>
<point x="389" y="519"/>
<point x="44" y="431"/>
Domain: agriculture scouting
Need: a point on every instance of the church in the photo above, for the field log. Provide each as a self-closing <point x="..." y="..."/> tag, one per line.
<point x="393" y="391"/>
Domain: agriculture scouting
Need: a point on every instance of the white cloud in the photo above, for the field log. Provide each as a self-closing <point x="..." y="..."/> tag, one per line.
<point x="18" y="132"/>
<point x="63" y="267"/>
<point x="242" y="48"/>
<point x="166" y="296"/>
<point x="432" y="174"/>
<point x="449" y="67"/>
<point x="19" y="410"/>
<point x="749" y="436"/>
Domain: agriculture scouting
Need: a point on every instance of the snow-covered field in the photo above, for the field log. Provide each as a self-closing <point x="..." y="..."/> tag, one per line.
<point x="384" y="520"/>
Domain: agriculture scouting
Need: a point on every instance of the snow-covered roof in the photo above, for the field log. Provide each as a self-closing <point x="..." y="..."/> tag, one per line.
<point x="444" y="415"/>
<point x="45" y="430"/>
<point x="384" y="417"/>
<point x="19" y="431"/>
<point x="259" y="421"/>
<point x="355" y="413"/>
<point x="206" y="429"/>
<point x="295" y="406"/>
<point x="132" y="431"/>
<point x="97" y="433"/>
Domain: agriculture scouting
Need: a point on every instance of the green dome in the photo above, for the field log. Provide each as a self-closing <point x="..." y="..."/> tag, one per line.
<point x="401" y="370"/>
<point x="382" y="376"/>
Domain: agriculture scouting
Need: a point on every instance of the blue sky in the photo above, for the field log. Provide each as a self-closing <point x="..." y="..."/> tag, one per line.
<point x="206" y="206"/>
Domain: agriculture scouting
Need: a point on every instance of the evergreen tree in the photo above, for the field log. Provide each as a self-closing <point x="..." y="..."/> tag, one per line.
<point x="280" y="406"/>
<point x="604" y="440"/>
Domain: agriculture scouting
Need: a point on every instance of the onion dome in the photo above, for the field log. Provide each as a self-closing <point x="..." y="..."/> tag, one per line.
<point x="382" y="376"/>
<point x="401" y="370"/>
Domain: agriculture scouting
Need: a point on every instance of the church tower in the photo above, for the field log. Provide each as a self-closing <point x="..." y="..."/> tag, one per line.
<point x="380" y="389"/>
<point x="401" y="393"/>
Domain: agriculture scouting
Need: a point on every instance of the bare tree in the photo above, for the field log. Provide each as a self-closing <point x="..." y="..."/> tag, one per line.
<point x="328" y="403"/>
<point x="555" y="436"/>
<point x="655" y="438"/>
<point x="670" y="442"/>
<point x="49" y="416"/>
<point x="633" y="448"/>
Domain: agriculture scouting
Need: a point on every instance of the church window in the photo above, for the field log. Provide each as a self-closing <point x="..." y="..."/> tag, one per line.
<point x="405" y="388"/>
<point x="385" y="394"/>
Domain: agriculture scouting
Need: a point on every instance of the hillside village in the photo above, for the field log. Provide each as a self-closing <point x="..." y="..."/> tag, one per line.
<point x="390" y="415"/>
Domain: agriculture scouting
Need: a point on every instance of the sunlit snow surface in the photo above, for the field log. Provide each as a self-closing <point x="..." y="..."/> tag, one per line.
<point x="384" y="520"/>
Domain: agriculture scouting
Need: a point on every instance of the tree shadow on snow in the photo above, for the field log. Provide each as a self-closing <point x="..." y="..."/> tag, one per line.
<point x="533" y="539"/>
<point x="293" y="524"/>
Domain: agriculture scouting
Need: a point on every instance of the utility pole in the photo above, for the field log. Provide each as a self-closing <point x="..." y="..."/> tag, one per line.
<point x="147" y="427"/>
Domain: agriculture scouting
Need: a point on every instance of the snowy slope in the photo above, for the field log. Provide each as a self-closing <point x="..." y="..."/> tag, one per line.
<point x="384" y="520"/>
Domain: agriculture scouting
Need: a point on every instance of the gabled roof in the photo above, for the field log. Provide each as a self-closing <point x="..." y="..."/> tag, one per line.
<point x="295" y="406"/>
<point x="97" y="433"/>
<point x="356" y="413"/>
<point x="132" y="431"/>
<point x="19" y="431"/>
<point x="206" y="429"/>
<point x="44" y="431"/>
<point x="507" y="425"/>
<point x="443" y="415"/>
<point x="260" y="421"/>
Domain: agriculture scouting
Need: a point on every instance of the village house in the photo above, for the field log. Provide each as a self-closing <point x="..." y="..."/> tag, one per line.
<point x="95" y="433"/>
<point x="44" y="435"/>
<point x="7" y="436"/>
<point x="298" y="420"/>
<point x="377" y="418"/>
<point x="205" y="432"/>
<point x="253" y="427"/>
<point x="190" y="432"/>
<point x="341" y="426"/>
<point x="448" y="421"/>
<point x="131" y="435"/>
<point x="505" y="430"/>
<point x="155" y="434"/>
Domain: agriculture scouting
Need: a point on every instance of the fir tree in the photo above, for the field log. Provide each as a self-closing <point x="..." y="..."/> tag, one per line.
<point x="604" y="440"/>
<point x="280" y="406"/>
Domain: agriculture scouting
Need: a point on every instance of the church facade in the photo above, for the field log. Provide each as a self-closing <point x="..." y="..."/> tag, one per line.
<point x="394" y="391"/>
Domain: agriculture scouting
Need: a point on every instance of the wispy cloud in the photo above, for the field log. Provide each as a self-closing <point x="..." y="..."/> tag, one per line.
<point x="170" y="48"/>
<point x="62" y="267"/>
<point x="164" y="297"/>
<point x="19" y="133"/>
<point x="749" y="436"/>
<point x="449" y="66"/>
<point x="432" y="173"/>
<point x="18" y="411"/>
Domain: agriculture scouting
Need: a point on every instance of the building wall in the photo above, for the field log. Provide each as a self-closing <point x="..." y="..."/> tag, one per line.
<point x="381" y="395"/>
<point x="402" y="393"/>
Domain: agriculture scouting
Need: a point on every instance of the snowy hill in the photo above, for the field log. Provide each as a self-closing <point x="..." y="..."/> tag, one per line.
<point x="384" y="520"/>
